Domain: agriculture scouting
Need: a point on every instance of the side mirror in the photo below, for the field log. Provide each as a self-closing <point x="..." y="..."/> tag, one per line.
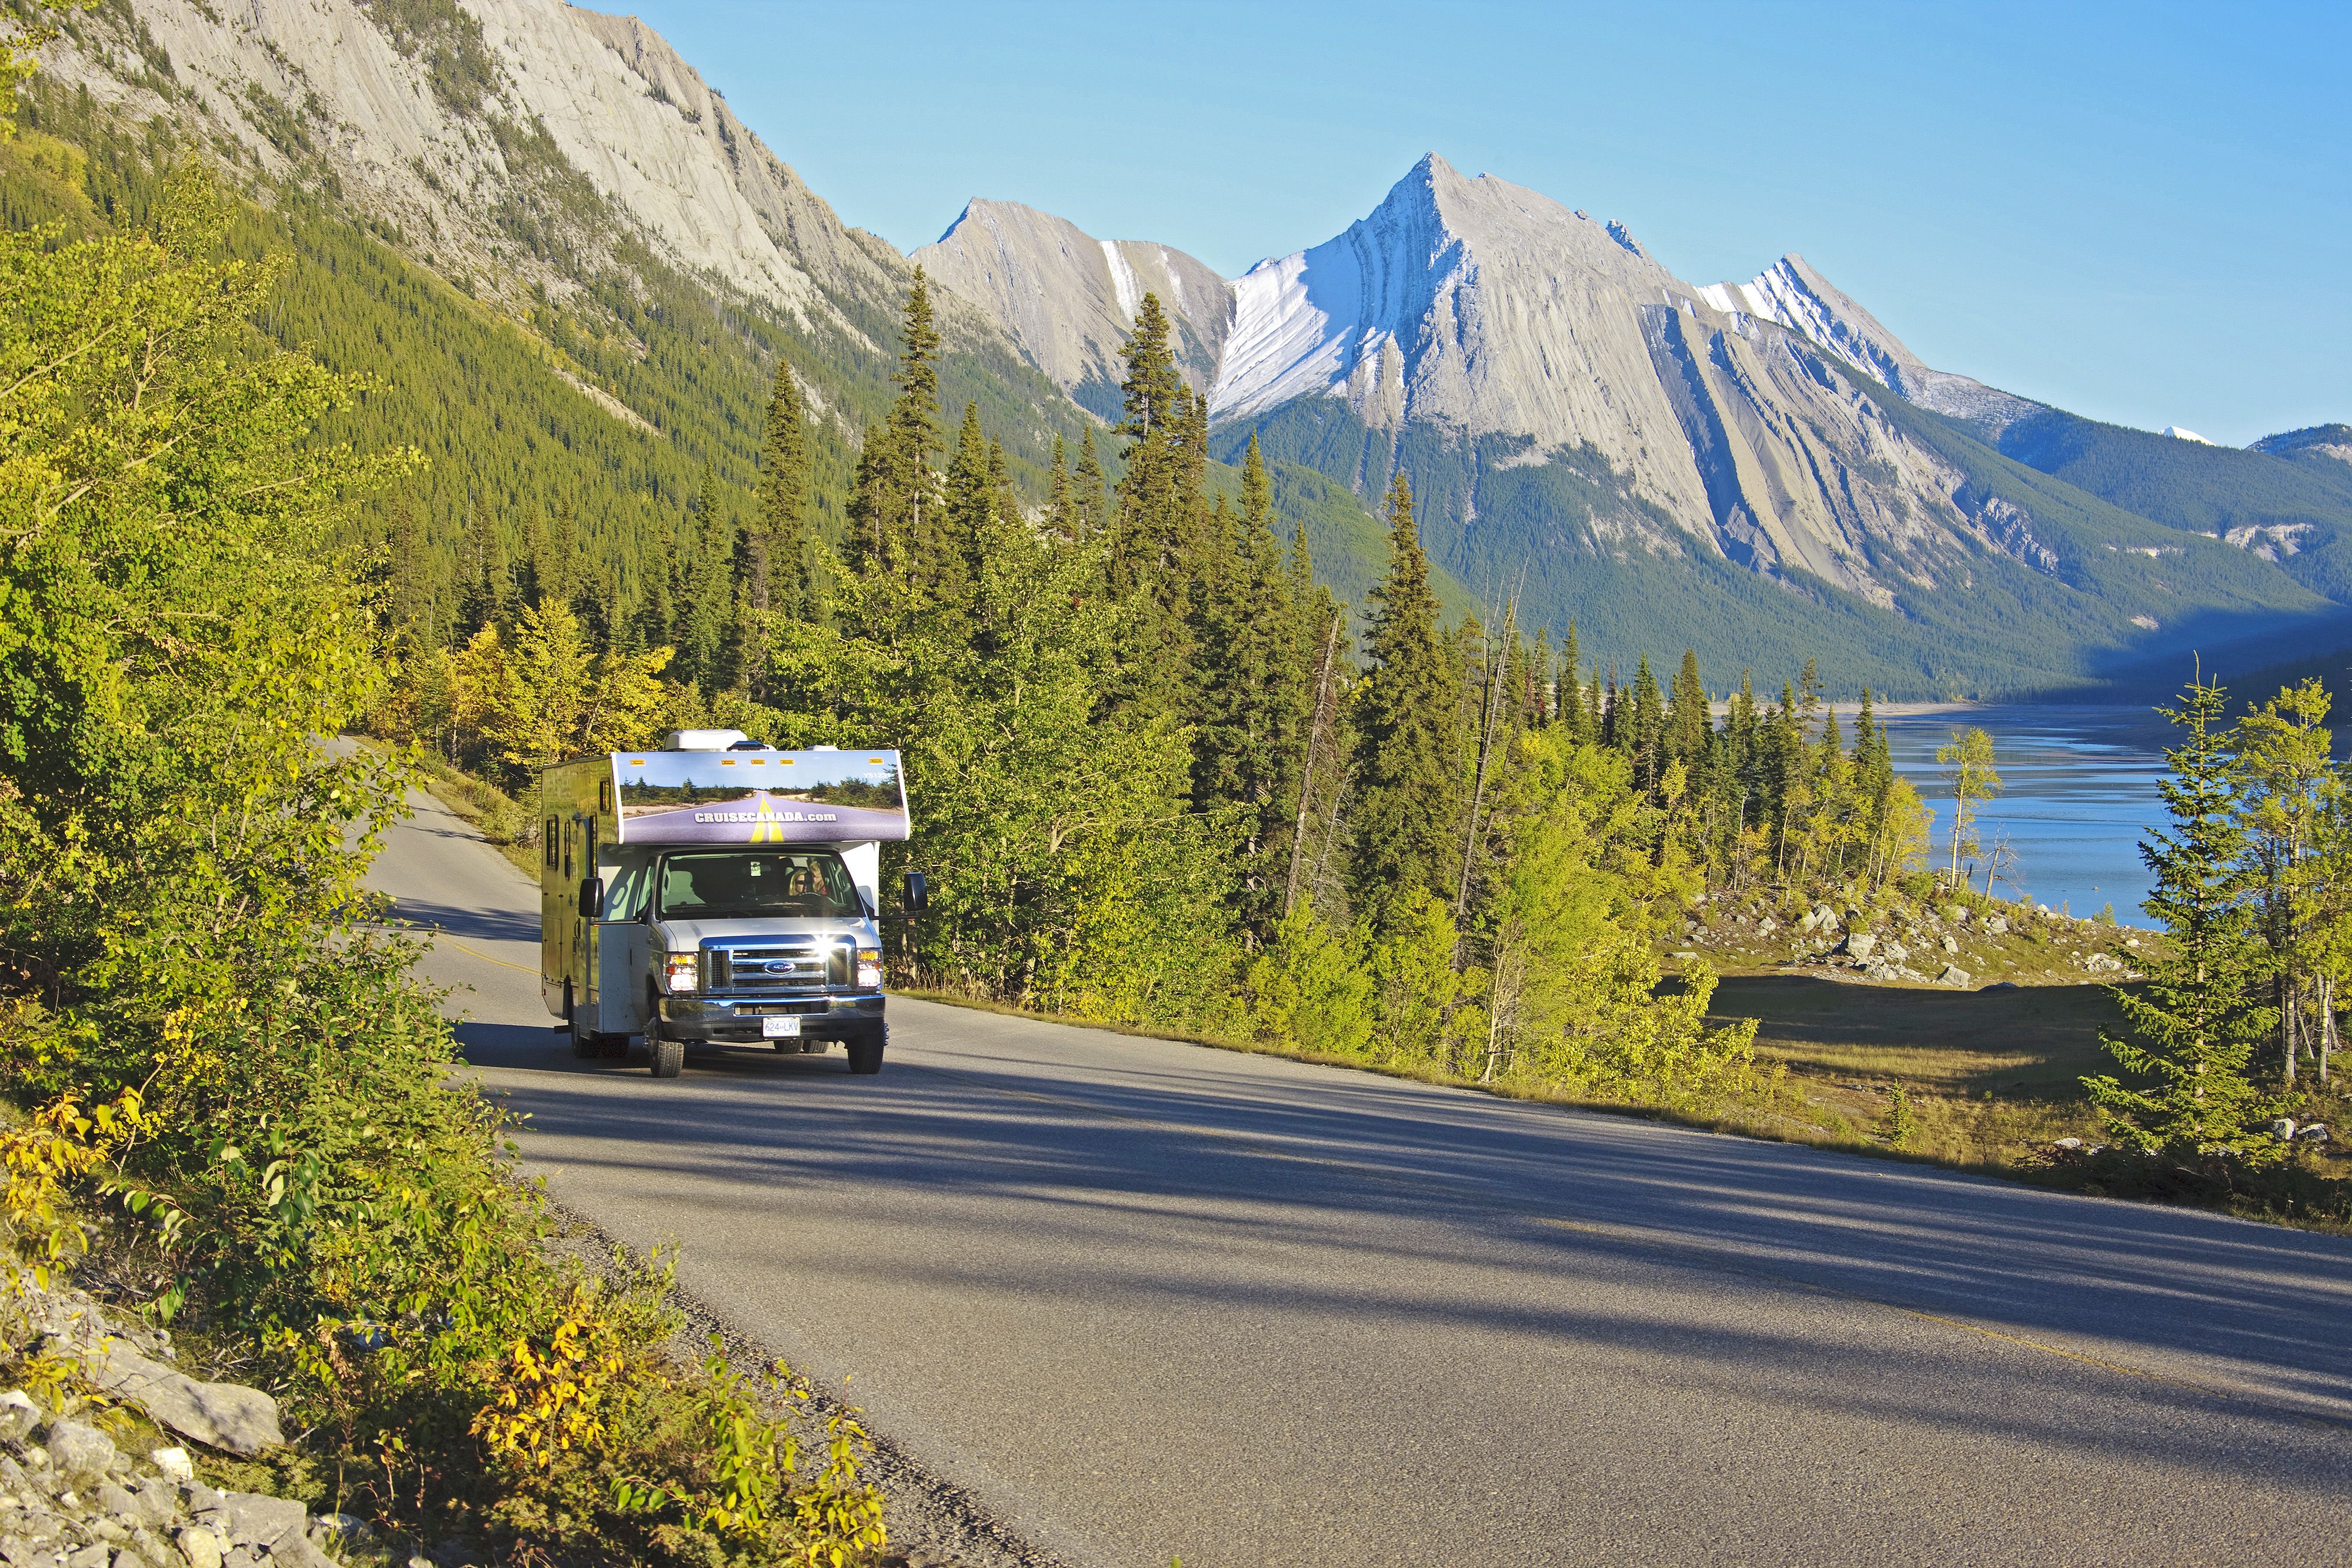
<point x="592" y="898"/>
<point x="919" y="893"/>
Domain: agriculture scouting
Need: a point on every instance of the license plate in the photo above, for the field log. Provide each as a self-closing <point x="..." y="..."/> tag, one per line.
<point x="773" y="1028"/>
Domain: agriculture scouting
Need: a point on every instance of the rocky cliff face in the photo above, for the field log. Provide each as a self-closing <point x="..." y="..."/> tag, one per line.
<point x="1473" y="307"/>
<point x="1791" y="294"/>
<point x="457" y="130"/>
<point x="1068" y="301"/>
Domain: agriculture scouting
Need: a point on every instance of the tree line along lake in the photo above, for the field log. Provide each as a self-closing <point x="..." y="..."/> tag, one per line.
<point x="2079" y="792"/>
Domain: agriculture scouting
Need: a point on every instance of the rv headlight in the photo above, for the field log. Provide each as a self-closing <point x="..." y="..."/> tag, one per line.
<point x="680" y="976"/>
<point x="869" y="965"/>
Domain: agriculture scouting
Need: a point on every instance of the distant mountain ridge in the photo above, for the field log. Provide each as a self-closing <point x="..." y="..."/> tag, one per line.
<point x="1761" y="470"/>
<point x="1581" y="422"/>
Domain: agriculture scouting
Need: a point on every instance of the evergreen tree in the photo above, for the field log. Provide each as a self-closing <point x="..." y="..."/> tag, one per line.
<point x="1405" y="749"/>
<point x="1646" y="728"/>
<point x="702" y="593"/>
<point x="895" y="505"/>
<point x="488" y="597"/>
<point x="1575" y="712"/>
<point x="1689" y="725"/>
<point x="1061" y="500"/>
<point x="777" y="564"/>
<point x="1089" y="502"/>
<point x="2194" y="1025"/>
<point x="943" y="564"/>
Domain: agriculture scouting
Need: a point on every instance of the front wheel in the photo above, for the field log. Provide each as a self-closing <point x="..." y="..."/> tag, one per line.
<point x="866" y="1051"/>
<point x="669" y="1056"/>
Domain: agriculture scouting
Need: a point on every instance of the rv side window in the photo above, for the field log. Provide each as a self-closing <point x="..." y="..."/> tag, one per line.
<point x="626" y="890"/>
<point x="550" y="851"/>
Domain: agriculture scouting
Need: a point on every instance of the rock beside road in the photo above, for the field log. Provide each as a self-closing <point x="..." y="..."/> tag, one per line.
<point x="71" y="1497"/>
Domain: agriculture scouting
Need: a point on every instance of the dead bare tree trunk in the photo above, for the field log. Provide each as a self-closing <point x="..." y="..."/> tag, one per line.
<point x="1314" y="725"/>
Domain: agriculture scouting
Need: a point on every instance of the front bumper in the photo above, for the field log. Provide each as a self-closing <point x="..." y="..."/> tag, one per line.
<point x="736" y="1021"/>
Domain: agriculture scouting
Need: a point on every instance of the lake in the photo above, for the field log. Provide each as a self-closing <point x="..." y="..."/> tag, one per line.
<point x="2079" y="791"/>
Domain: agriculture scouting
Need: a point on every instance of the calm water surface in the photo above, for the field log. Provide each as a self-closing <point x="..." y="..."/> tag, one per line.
<point x="2080" y="789"/>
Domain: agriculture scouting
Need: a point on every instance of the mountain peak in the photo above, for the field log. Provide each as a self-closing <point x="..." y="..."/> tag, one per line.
<point x="1067" y="300"/>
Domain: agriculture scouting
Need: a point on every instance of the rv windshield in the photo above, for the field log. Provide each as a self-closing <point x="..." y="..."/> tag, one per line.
<point x="751" y="885"/>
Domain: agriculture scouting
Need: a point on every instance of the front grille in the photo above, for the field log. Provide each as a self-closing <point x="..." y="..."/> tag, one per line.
<point x="768" y="1009"/>
<point x="806" y="964"/>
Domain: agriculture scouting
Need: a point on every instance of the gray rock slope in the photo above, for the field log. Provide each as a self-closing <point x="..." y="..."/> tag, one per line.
<point x="1068" y="301"/>
<point x="515" y="146"/>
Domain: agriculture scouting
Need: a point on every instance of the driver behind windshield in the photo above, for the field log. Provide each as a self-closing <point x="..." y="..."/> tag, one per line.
<point x="735" y="885"/>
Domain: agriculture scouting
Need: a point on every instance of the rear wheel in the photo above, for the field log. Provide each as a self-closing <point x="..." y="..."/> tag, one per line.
<point x="866" y="1049"/>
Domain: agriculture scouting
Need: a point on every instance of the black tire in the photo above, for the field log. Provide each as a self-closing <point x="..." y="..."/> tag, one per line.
<point x="667" y="1056"/>
<point x="866" y="1051"/>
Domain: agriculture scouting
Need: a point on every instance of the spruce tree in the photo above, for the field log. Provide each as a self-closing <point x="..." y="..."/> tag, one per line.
<point x="2194" y="1025"/>
<point x="1688" y="723"/>
<point x="1647" y="727"/>
<point x="1090" y="501"/>
<point x="1575" y="712"/>
<point x="942" y="563"/>
<point x="1406" y="753"/>
<point x="489" y="598"/>
<point x="1061" y="504"/>
<point x="778" y="545"/>
<point x="893" y="504"/>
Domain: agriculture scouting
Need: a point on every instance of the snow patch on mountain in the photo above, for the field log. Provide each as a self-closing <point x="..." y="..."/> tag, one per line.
<point x="1122" y="281"/>
<point x="2180" y="433"/>
<point x="1791" y="292"/>
<point x="1326" y="318"/>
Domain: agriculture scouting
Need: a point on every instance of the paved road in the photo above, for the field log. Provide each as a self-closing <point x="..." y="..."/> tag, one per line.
<point x="1150" y="1300"/>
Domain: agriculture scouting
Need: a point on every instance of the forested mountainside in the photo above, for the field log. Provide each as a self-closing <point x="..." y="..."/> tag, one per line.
<point x="568" y="271"/>
<point x="1715" y="467"/>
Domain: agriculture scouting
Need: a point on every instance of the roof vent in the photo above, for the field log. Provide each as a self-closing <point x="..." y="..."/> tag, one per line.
<point x="701" y="739"/>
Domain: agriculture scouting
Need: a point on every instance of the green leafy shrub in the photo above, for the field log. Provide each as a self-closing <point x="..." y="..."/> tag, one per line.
<point x="221" y="1047"/>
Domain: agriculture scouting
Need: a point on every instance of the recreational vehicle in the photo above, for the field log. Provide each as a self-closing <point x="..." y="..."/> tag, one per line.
<point x="716" y="893"/>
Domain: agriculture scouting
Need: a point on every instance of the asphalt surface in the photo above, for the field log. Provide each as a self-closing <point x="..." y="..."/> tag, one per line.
<point x="1149" y="1300"/>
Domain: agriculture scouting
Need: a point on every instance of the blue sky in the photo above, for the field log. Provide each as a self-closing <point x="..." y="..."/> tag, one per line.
<point x="2142" y="213"/>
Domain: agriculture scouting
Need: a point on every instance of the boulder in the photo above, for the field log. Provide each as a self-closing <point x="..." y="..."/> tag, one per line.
<point x="1825" y="917"/>
<point x="1996" y="926"/>
<point x="1766" y="926"/>
<point x="125" y="1507"/>
<point x="201" y="1547"/>
<point x="255" y="1519"/>
<point x="1953" y="974"/>
<point x="1859" y="945"/>
<point x="18" y="1415"/>
<point x="2067" y="1144"/>
<point x="81" y="1454"/>
<point x="218" y="1415"/>
<point x="2283" y="1129"/>
<point x="1950" y="946"/>
<point x="1809" y="924"/>
<point x="2315" y="1134"/>
<point x="175" y="1463"/>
